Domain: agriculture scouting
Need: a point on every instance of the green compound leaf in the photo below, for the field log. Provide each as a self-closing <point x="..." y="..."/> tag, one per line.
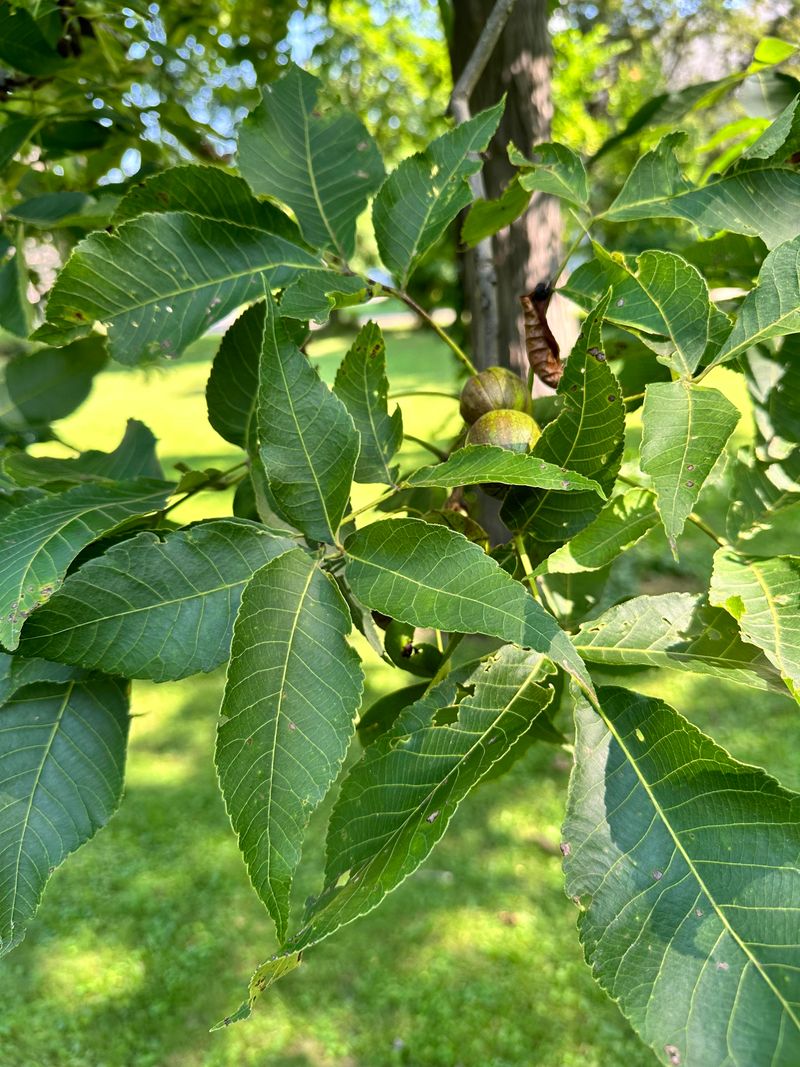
<point x="209" y="192"/>
<point x="427" y="575"/>
<point x="474" y="464"/>
<point x="586" y="437"/>
<point x="307" y="440"/>
<point x="151" y="608"/>
<point x="554" y="169"/>
<point x="325" y="166"/>
<point x="420" y="199"/>
<point x="160" y="281"/>
<point x="772" y="308"/>
<point x="398" y="800"/>
<point x="756" y="198"/>
<point x="685" y="865"/>
<point x="294" y="686"/>
<point x="763" y="595"/>
<point x="658" y="294"/>
<point x="62" y="761"/>
<point x="133" y="458"/>
<point x="623" y="521"/>
<point x="362" y="386"/>
<point x="685" y="428"/>
<point x="679" y="631"/>
<point x="39" y="541"/>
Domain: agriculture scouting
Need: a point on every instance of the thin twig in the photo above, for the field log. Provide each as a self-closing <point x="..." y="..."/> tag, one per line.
<point x="422" y="392"/>
<point x="485" y="274"/>
<point x="372" y="504"/>
<point x="426" y="444"/>
<point x="701" y="524"/>
<point x="444" y="667"/>
<point x="218" y="481"/>
<point x="527" y="566"/>
<point x="409" y="301"/>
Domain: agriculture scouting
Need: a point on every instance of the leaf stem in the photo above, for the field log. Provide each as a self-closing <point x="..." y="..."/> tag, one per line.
<point x="426" y="444"/>
<point x="562" y="266"/>
<point x="218" y="481"/>
<point x="372" y="504"/>
<point x="695" y="519"/>
<point x="423" y="392"/>
<point x="409" y="301"/>
<point x="444" y="667"/>
<point x="527" y="566"/>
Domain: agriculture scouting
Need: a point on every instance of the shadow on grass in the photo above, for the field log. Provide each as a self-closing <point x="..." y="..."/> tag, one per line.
<point x="149" y="935"/>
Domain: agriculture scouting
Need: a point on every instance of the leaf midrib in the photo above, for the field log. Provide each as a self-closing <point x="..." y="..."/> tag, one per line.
<point x="390" y="842"/>
<point x="691" y="867"/>
<point x="301" y="438"/>
<point x="34" y="790"/>
<point x="280" y="919"/>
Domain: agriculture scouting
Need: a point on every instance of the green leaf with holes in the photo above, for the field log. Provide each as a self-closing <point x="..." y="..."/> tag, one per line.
<point x="685" y="428"/>
<point x="475" y="464"/>
<point x="160" y="281"/>
<point x="288" y="714"/>
<point x="684" y="864"/>
<point x="39" y="541"/>
<point x="423" y="195"/>
<point x="657" y="295"/>
<point x="154" y="608"/>
<point x="62" y="762"/>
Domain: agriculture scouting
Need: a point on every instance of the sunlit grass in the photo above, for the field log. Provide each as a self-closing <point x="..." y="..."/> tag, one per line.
<point x="148" y="935"/>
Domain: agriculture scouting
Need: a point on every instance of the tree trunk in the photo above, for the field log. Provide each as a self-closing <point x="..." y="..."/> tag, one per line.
<point x="529" y="250"/>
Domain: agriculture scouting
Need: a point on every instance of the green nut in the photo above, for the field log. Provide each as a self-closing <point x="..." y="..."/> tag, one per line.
<point x="421" y="659"/>
<point x="491" y="390"/>
<point x="513" y="430"/>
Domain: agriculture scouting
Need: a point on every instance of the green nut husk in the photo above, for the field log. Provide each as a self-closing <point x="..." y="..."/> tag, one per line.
<point x="420" y="658"/>
<point x="493" y="389"/>
<point x="514" y="430"/>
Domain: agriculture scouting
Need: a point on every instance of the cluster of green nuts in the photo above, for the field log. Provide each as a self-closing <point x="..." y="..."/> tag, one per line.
<point x="496" y="405"/>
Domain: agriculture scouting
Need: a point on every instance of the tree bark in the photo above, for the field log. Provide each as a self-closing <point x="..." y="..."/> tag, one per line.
<point x="528" y="251"/>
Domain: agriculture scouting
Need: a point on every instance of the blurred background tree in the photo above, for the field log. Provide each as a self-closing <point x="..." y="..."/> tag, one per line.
<point x="95" y="96"/>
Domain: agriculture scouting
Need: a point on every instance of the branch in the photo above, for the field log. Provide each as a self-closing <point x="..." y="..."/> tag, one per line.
<point x="486" y="278"/>
<point x="468" y="79"/>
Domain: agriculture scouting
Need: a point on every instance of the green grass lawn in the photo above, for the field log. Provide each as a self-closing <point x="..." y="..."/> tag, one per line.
<point x="149" y="934"/>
